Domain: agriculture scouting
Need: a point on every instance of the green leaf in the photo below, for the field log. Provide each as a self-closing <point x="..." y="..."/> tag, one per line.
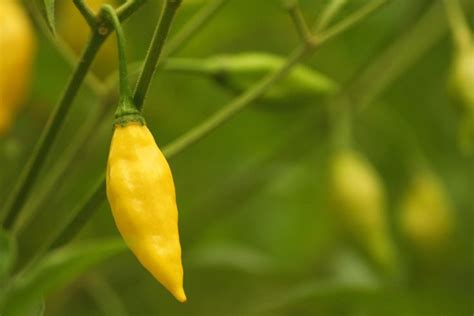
<point x="54" y="271"/>
<point x="7" y="253"/>
<point x="49" y="12"/>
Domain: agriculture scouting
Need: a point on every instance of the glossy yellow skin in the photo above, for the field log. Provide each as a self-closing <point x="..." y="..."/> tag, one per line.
<point x="17" y="50"/>
<point x="426" y="215"/>
<point x="141" y="193"/>
<point x="73" y="29"/>
<point x="358" y="200"/>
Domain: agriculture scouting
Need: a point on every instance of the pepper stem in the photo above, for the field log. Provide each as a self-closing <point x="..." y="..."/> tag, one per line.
<point x="126" y="111"/>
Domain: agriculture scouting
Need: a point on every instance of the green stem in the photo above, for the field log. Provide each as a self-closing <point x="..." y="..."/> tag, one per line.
<point x="191" y="66"/>
<point x="86" y="12"/>
<point x="81" y="214"/>
<point x="234" y="107"/>
<point x="299" y="21"/>
<point x="348" y="22"/>
<point x="125" y="91"/>
<point x="61" y="167"/>
<point x="154" y="52"/>
<point x="197" y="22"/>
<point x="458" y="24"/>
<point x="328" y="14"/>
<point x="25" y="183"/>
<point x="191" y="28"/>
<point x="92" y="81"/>
<point x="126" y="110"/>
<point x="398" y="57"/>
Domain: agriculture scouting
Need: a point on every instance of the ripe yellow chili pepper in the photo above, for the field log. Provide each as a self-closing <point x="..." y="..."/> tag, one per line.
<point x="17" y="46"/>
<point x="141" y="193"/>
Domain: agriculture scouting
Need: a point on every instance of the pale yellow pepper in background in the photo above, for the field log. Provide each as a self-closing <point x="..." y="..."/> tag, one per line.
<point x="359" y="205"/>
<point x="17" y="51"/>
<point x="73" y="29"/>
<point x="426" y="214"/>
<point x="141" y="193"/>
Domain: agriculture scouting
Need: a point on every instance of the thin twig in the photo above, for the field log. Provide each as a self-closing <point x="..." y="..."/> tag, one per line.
<point x="299" y="21"/>
<point x="86" y="13"/>
<point x="328" y="14"/>
<point x="154" y="51"/>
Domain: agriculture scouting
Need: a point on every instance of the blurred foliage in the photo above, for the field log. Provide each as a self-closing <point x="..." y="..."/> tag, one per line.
<point x="257" y="234"/>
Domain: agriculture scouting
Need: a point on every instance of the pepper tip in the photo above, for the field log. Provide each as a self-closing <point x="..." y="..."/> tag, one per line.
<point x="180" y="295"/>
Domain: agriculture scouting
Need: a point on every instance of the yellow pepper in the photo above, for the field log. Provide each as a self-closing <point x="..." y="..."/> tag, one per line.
<point x="358" y="201"/>
<point x="141" y="193"/>
<point x="426" y="214"/>
<point x="17" y="46"/>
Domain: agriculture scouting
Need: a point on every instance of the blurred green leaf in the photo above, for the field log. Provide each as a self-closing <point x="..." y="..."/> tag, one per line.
<point x="54" y="271"/>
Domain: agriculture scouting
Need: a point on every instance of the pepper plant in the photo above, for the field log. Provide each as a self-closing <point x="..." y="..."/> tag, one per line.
<point x="355" y="245"/>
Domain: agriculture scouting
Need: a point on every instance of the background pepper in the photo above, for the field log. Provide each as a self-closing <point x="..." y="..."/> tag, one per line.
<point x="17" y="49"/>
<point x="358" y="202"/>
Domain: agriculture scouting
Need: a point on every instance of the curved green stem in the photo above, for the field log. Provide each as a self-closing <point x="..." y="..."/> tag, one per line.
<point x="125" y="90"/>
<point x="126" y="110"/>
<point x="154" y="51"/>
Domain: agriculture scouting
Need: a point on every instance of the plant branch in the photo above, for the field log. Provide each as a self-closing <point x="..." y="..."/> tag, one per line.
<point x="328" y="14"/>
<point x="125" y="90"/>
<point x="86" y="12"/>
<point x="81" y="215"/>
<point x="348" y="22"/>
<point x="92" y="81"/>
<point x="197" y="22"/>
<point x="154" y="51"/>
<point x="299" y="21"/>
<point x="398" y="57"/>
<point x="107" y="93"/>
